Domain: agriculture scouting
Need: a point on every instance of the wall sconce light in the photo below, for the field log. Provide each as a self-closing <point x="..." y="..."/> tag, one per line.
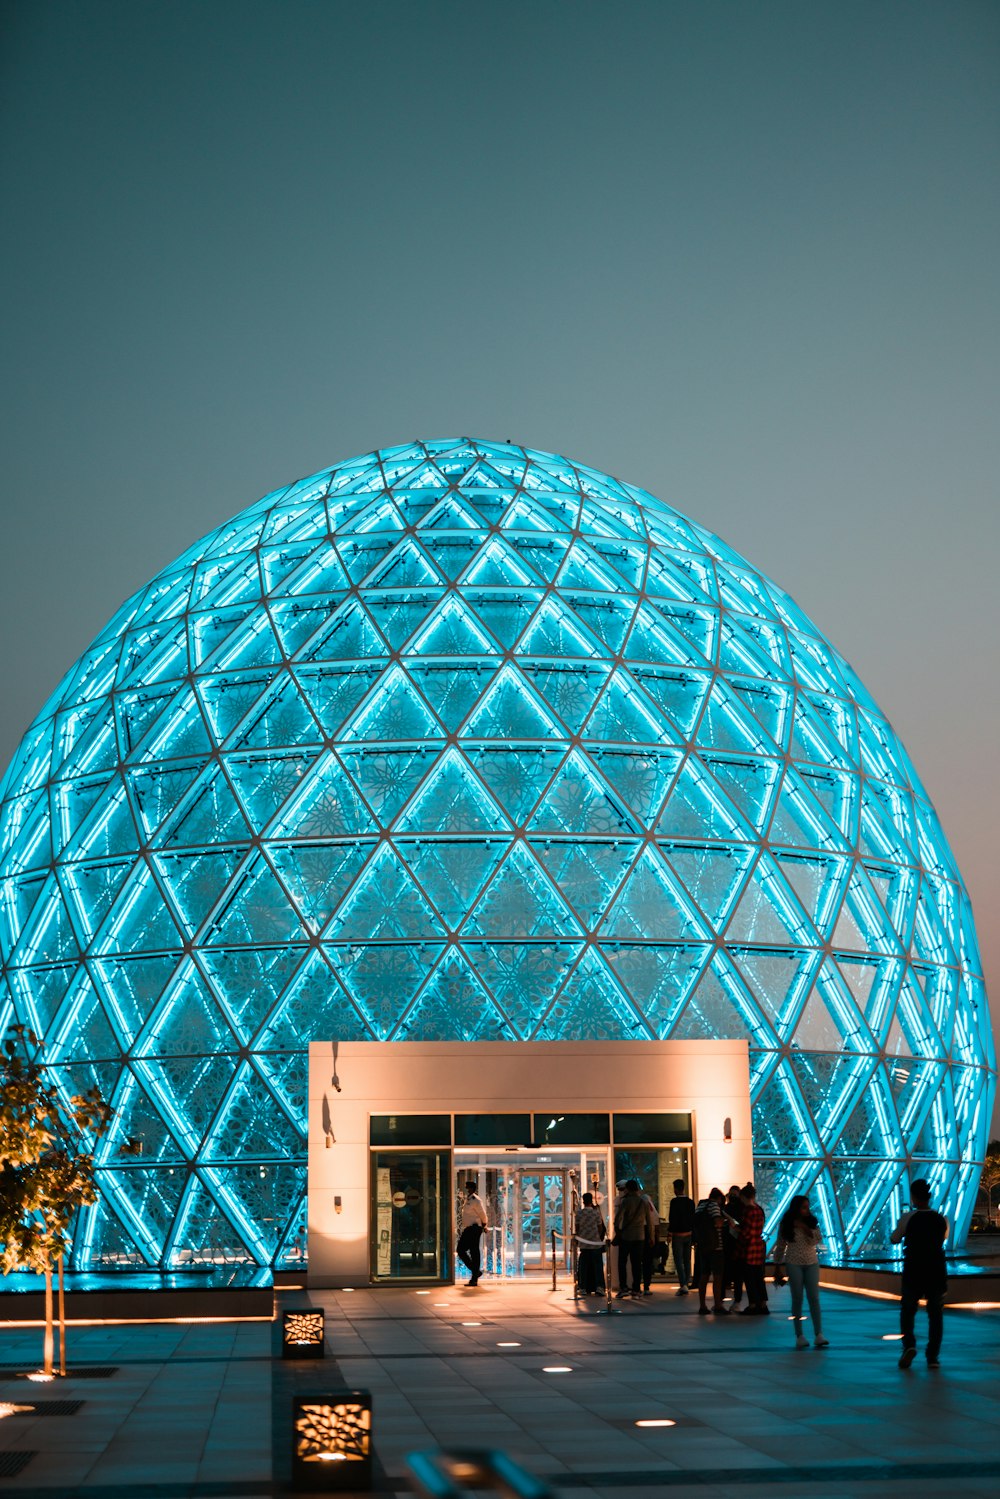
<point x="332" y="1441"/>
<point x="727" y="1130"/>
<point x="302" y="1333"/>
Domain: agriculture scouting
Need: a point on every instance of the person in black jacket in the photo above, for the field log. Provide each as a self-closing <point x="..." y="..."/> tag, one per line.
<point x="922" y="1232"/>
<point x="680" y="1223"/>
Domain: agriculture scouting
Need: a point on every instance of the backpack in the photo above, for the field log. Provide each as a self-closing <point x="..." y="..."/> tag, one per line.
<point x="706" y="1235"/>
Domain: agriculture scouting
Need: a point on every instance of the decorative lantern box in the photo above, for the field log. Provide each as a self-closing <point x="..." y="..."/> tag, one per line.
<point x="332" y="1441"/>
<point x="302" y="1333"/>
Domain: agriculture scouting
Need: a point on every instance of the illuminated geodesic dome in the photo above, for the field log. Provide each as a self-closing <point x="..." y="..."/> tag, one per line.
<point x="463" y="741"/>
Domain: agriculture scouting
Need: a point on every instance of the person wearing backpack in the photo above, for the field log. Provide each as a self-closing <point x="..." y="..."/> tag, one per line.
<point x="710" y="1223"/>
<point x="631" y="1224"/>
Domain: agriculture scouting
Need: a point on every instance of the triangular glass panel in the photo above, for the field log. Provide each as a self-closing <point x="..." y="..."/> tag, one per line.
<point x="839" y="794"/>
<point x="608" y="619"/>
<point x="454" y="1006"/>
<point x="138" y="1131"/>
<point x="189" y="1021"/>
<point x="278" y="562"/>
<point x="697" y="809"/>
<point x="818" y="883"/>
<point x="131" y="989"/>
<point x="451" y="874"/>
<point x="652" y="643"/>
<point x="81" y="1031"/>
<point x="584" y="570"/>
<point x="384" y="904"/>
<point x="136" y="713"/>
<point x="861" y="925"/>
<point x="799" y="821"/>
<point x="770" y="705"/>
<point x="677" y="694"/>
<point x="674" y="582"/>
<point x="387" y="778"/>
<point x="208" y="629"/>
<point x="327" y="806"/>
<point x="587" y="872"/>
<point x="510" y="710"/>
<point x="140" y="920"/>
<point x="781" y="1124"/>
<point x="91" y="891"/>
<point x="382" y="980"/>
<point x="264" y="782"/>
<point x="226" y="700"/>
<point x="590" y="1007"/>
<point x="628" y="559"/>
<point x="208" y="1235"/>
<point x="811" y="740"/>
<point x="775" y="979"/>
<point x="333" y="695"/>
<point x="521" y="901"/>
<point x="247" y="649"/>
<point x="322" y="574"/>
<point x="214" y="816"/>
<point x="711" y="875"/>
<point x="622" y="715"/>
<point x="545" y="556"/>
<point x="517" y="778"/>
<point x="407" y="566"/>
<point x="452" y="691"/>
<point x="725" y="726"/>
<point x="398" y="616"/>
<point x="350" y="636"/>
<point x="749" y="784"/>
<point x="498" y="566"/>
<point x="523" y="977"/>
<point x="257" y="911"/>
<point x="284" y="722"/>
<point x="39" y="993"/>
<point x="818" y="1028"/>
<point x="829" y="1083"/>
<point x="504" y="614"/>
<point x="394" y="711"/>
<point x="578" y="802"/>
<point x="249" y="980"/>
<point x="765" y="915"/>
<point x="712" y="1013"/>
<point x="363" y="554"/>
<point x="569" y="691"/>
<point x="152" y="1194"/>
<point x="449" y="515"/>
<point x="453" y="800"/>
<point x="652" y="906"/>
<point x="109" y="830"/>
<point x="452" y="630"/>
<point x="252" y="1124"/>
<point x="196" y="882"/>
<point x="258" y="1199"/>
<point x="641" y="777"/>
<point x="880" y="837"/>
<point x="296" y="621"/>
<point x="158" y="790"/>
<point x="557" y="631"/>
<point x="316" y="876"/>
<point x="451" y="554"/>
<point x="657" y="978"/>
<point x="187" y="1091"/>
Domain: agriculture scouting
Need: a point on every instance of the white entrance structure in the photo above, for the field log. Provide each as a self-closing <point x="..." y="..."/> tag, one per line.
<point x="396" y="1128"/>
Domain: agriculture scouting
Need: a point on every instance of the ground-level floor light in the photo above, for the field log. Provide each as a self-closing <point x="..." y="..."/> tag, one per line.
<point x="332" y="1441"/>
<point x="302" y="1333"/>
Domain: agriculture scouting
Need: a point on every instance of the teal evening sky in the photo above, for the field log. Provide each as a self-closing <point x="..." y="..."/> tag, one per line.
<point x="742" y="255"/>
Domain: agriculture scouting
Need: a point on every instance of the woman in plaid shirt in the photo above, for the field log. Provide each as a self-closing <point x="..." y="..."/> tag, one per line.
<point x="751" y="1240"/>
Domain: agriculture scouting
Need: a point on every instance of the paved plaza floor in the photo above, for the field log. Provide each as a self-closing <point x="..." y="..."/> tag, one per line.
<point x="204" y="1410"/>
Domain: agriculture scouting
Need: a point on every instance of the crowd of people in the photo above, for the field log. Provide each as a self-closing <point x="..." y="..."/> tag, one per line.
<point x="725" y="1233"/>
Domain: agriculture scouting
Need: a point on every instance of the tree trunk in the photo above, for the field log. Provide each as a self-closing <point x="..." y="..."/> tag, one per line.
<point x="47" y="1364"/>
<point x="62" y="1315"/>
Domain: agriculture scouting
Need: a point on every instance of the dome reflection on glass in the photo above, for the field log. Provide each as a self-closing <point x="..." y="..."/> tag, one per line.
<point x="462" y="741"/>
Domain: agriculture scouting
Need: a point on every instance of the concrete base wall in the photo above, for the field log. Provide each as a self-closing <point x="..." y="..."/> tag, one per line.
<point x="708" y="1079"/>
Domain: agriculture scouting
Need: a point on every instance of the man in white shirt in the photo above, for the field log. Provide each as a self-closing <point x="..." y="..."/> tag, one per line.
<point x="473" y="1224"/>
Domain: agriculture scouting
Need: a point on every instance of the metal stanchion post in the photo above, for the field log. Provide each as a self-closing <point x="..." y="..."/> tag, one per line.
<point x="610" y="1310"/>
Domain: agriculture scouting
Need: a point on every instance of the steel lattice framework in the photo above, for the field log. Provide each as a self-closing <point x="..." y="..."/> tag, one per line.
<point x="463" y="741"/>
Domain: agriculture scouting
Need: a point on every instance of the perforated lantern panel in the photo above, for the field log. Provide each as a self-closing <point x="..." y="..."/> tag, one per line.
<point x="459" y="741"/>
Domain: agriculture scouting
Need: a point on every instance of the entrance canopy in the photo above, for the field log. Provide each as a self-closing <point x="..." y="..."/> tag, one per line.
<point x="396" y="1128"/>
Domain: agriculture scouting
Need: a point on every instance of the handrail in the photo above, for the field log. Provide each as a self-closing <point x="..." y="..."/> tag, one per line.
<point x="447" y="1472"/>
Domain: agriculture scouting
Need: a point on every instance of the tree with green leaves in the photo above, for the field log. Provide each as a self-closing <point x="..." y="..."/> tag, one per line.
<point x="46" y="1165"/>
<point x="991" y="1176"/>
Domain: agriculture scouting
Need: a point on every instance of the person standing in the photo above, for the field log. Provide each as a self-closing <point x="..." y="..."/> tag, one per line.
<point x="710" y="1224"/>
<point x="752" y="1253"/>
<point x="591" y="1231"/>
<point x="649" y="1243"/>
<point x="631" y="1226"/>
<point x="798" y="1242"/>
<point x="680" y="1223"/>
<point x="922" y="1232"/>
<point x="473" y="1226"/>
<point x="733" y="1272"/>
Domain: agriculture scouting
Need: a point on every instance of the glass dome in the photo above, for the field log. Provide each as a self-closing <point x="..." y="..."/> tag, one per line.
<point x="463" y="741"/>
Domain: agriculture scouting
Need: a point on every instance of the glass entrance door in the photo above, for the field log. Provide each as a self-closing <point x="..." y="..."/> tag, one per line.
<point x="526" y="1200"/>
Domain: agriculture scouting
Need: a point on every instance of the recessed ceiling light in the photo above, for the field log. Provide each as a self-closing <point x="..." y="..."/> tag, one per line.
<point x="508" y="1345"/>
<point x="472" y="1324"/>
<point x="656" y="1421"/>
<point x="557" y="1369"/>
